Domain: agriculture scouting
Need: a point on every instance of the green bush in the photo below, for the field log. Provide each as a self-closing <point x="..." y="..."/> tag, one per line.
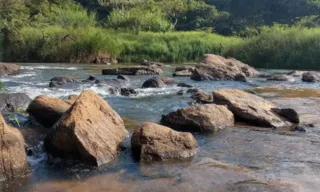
<point x="281" y="47"/>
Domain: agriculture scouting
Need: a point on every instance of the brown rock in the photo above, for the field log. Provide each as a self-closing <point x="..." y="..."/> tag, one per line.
<point x="151" y="63"/>
<point x="168" y="80"/>
<point x="215" y="67"/>
<point x="90" y="131"/>
<point x="153" y="142"/>
<point x="183" y="71"/>
<point x="58" y="81"/>
<point x="136" y="70"/>
<point x="154" y="83"/>
<point x="47" y="110"/>
<point x="288" y="113"/>
<point x="13" y="159"/>
<point x="202" y="97"/>
<point x="9" y="69"/>
<point x="71" y="99"/>
<point x="200" y="118"/>
<point x="249" y="108"/>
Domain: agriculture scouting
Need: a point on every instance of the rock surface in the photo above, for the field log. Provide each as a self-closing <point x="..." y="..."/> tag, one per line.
<point x="13" y="159"/>
<point x="90" y="131"/>
<point x="9" y="69"/>
<point x="47" y="110"/>
<point x="200" y="118"/>
<point x="151" y="63"/>
<point x="11" y="102"/>
<point x="153" y="142"/>
<point x="215" y="67"/>
<point x="154" y="83"/>
<point x="249" y="108"/>
<point x="202" y="97"/>
<point x="310" y="77"/>
<point x="168" y="80"/>
<point x="281" y="77"/>
<point x="136" y="70"/>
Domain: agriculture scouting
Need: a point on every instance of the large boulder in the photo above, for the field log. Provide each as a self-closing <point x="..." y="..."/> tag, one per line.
<point x="48" y="110"/>
<point x="90" y="131"/>
<point x="135" y="70"/>
<point x="200" y="118"/>
<point x="183" y="71"/>
<point x="9" y="69"/>
<point x="250" y="108"/>
<point x="153" y="142"/>
<point x="12" y="152"/>
<point x="310" y="77"/>
<point x="154" y="83"/>
<point x="11" y="102"/>
<point x="58" y="81"/>
<point x="215" y="67"/>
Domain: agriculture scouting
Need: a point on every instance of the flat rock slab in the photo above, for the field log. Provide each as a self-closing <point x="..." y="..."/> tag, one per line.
<point x="136" y="70"/>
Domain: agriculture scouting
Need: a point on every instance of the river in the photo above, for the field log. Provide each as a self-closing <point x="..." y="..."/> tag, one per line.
<point x="236" y="159"/>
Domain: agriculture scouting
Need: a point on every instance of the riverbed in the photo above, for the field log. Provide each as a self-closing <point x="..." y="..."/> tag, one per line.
<point x="236" y="159"/>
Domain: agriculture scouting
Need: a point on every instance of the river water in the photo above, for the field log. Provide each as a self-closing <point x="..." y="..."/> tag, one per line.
<point x="237" y="159"/>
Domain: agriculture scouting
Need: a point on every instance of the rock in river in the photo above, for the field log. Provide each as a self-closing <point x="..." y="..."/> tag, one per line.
<point x="250" y="108"/>
<point x="48" y="110"/>
<point x="58" y="81"/>
<point x="9" y="69"/>
<point x="13" y="159"/>
<point x="91" y="131"/>
<point x="201" y="97"/>
<point x="11" y="102"/>
<point x="153" y="142"/>
<point x="183" y="71"/>
<point x="135" y="70"/>
<point x="215" y="67"/>
<point x="310" y="77"/>
<point x="154" y="83"/>
<point x="281" y="77"/>
<point x="200" y="118"/>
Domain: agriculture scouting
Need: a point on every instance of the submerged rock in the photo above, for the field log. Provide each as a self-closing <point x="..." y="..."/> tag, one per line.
<point x="127" y="91"/>
<point x="280" y="77"/>
<point x="58" y="81"/>
<point x="249" y="108"/>
<point x="154" y="83"/>
<point x="11" y="102"/>
<point x="215" y="67"/>
<point x="9" y="69"/>
<point x="183" y="71"/>
<point x="47" y="110"/>
<point x="136" y="70"/>
<point x="295" y="73"/>
<point x="200" y="118"/>
<point x="184" y="85"/>
<point x="310" y="77"/>
<point x="91" y="131"/>
<point x="153" y="142"/>
<point x="12" y="152"/>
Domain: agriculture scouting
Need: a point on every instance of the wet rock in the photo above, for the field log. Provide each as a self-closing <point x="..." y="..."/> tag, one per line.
<point x="215" y="67"/>
<point x="241" y="78"/>
<point x="114" y="83"/>
<point x="9" y="69"/>
<point x="151" y="64"/>
<point x="11" y="102"/>
<point x="184" y="85"/>
<point x="288" y="113"/>
<point x="193" y="90"/>
<point x="181" y="92"/>
<point x="202" y="97"/>
<point x="90" y="131"/>
<point x="200" y="118"/>
<point x="183" y="71"/>
<point x="154" y="83"/>
<point x="123" y="77"/>
<point x="281" y="77"/>
<point x="153" y="142"/>
<point x="47" y="110"/>
<point x="249" y="108"/>
<point x="168" y="80"/>
<point x="310" y="77"/>
<point x="295" y="73"/>
<point x="12" y="152"/>
<point x="127" y="92"/>
<point x="58" y="81"/>
<point x="90" y="79"/>
<point x="136" y="70"/>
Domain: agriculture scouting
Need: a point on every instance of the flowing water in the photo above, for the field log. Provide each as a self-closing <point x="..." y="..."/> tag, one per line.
<point x="237" y="159"/>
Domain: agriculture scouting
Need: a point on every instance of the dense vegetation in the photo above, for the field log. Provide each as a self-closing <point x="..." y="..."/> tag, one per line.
<point x="264" y="33"/>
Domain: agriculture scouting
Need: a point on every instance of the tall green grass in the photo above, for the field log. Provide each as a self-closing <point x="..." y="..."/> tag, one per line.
<point x="281" y="47"/>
